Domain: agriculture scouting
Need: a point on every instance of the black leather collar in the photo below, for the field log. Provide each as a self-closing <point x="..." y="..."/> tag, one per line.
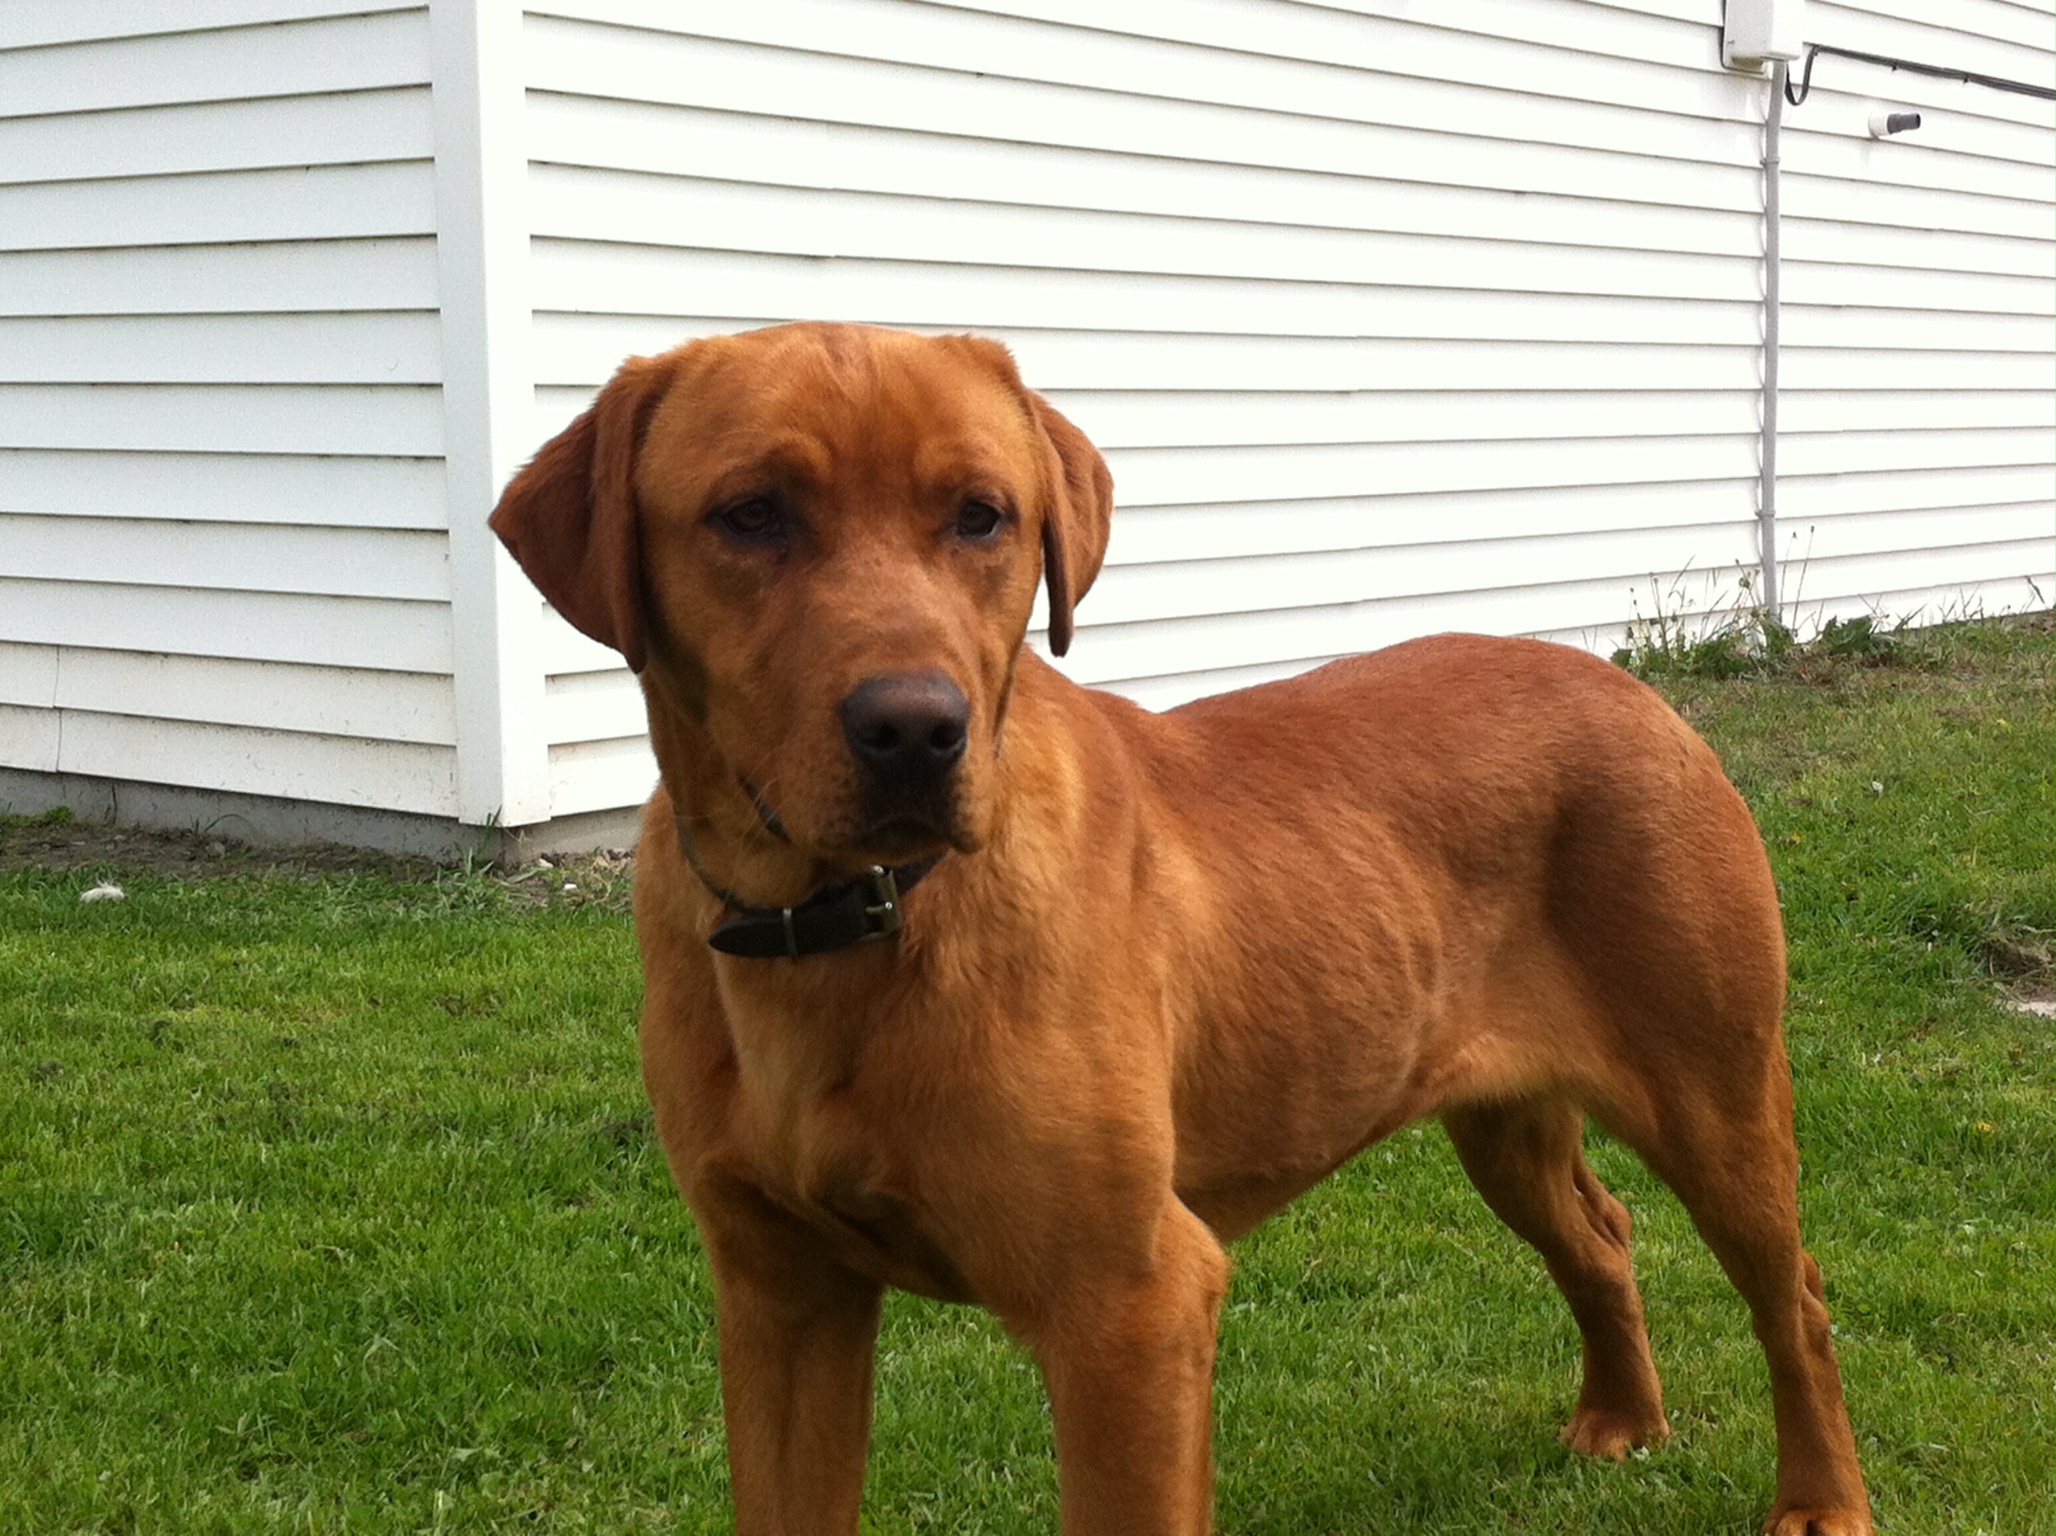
<point x="834" y="917"/>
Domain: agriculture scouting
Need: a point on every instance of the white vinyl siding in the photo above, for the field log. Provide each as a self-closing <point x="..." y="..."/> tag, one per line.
<point x="1385" y="322"/>
<point x="222" y="556"/>
<point x="1919" y="410"/>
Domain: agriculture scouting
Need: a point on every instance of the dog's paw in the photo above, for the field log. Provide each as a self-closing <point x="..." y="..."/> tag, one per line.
<point x="1817" y="1522"/>
<point x="1604" y="1432"/>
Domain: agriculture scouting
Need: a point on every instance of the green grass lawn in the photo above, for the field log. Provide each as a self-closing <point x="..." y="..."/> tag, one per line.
<point x="329" y="1201"/>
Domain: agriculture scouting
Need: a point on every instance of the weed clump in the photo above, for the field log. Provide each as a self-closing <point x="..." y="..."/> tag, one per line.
<point x="1669" y="646"/>
<point x="1860" y="639"/>
<point x="1745" y="642"/>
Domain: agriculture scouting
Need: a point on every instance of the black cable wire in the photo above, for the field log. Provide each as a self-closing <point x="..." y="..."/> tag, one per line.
<point x="1969" y="77"/>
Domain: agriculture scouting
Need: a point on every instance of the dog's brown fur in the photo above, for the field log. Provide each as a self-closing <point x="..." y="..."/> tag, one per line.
<point x="1173" y="968"/>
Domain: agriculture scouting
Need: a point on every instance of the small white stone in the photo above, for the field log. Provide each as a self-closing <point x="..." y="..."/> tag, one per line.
<point x="105" y="891"/>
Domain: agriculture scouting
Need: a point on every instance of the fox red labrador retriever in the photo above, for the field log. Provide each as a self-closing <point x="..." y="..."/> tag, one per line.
<point x="965" y="979"/>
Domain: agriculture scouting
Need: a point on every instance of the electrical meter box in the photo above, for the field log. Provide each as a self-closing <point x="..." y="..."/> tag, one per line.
<point x="1757" y="32"/>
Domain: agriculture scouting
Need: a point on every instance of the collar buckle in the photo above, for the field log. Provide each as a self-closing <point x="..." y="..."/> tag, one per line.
<point x="884" y="918"/>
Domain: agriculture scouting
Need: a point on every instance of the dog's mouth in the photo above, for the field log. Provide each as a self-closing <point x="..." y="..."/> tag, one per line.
<point x="894" y="819"/>
<point x="891" y="835"/>
<point x="895" y="839"/>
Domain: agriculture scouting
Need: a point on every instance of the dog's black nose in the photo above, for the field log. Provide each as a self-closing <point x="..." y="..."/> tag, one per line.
<point x="906" y="726"/>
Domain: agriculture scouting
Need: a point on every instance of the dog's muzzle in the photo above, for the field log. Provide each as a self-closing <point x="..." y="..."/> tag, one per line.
<point x="907" y="732"/>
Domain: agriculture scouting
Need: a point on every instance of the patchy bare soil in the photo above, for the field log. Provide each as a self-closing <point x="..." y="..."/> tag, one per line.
<point x="110" y="852"/>
<point x="2022" y="964"/>
<point x="44" y="842"/>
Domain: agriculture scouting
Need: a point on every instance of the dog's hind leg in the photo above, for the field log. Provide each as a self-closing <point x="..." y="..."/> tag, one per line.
<point x="1526" y="1160"/>
<point x="1728" y="1151"/>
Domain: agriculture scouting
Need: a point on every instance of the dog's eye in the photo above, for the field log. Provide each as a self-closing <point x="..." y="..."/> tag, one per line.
<point x="978" y="520"/>
<point x="754" y="521"/>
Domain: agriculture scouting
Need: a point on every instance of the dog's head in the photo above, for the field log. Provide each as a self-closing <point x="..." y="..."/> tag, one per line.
<point x="819" y="545"/>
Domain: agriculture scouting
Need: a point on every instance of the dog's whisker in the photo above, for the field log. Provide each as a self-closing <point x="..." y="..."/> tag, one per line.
<point x="765" y="815"/>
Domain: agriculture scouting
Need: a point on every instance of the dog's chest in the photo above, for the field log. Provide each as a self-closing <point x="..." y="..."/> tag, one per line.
<point x="818" y="1151"/>
<point x="874" y="1230"/>
<point x="883" y="1236"/>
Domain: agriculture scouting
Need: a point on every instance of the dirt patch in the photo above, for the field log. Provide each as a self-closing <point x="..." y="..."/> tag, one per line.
<point x="48" y="842"/>
<point x="2021" y="956"/>
<point x="112" y="851"/>
<point x="2021" y="961"/>
<point x="605" y="879"/>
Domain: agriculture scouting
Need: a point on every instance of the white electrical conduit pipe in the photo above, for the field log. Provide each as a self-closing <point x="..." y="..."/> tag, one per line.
<point x="1767" y="494"/>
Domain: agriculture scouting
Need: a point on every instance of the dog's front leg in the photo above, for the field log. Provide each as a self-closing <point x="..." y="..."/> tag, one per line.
<point x="1127" y="1351"/>
<point x="798" y="1332"/>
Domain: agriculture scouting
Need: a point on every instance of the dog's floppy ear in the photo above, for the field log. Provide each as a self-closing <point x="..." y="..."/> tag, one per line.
<point x="1075" y="526"/>
<point x="569" y="518"/>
